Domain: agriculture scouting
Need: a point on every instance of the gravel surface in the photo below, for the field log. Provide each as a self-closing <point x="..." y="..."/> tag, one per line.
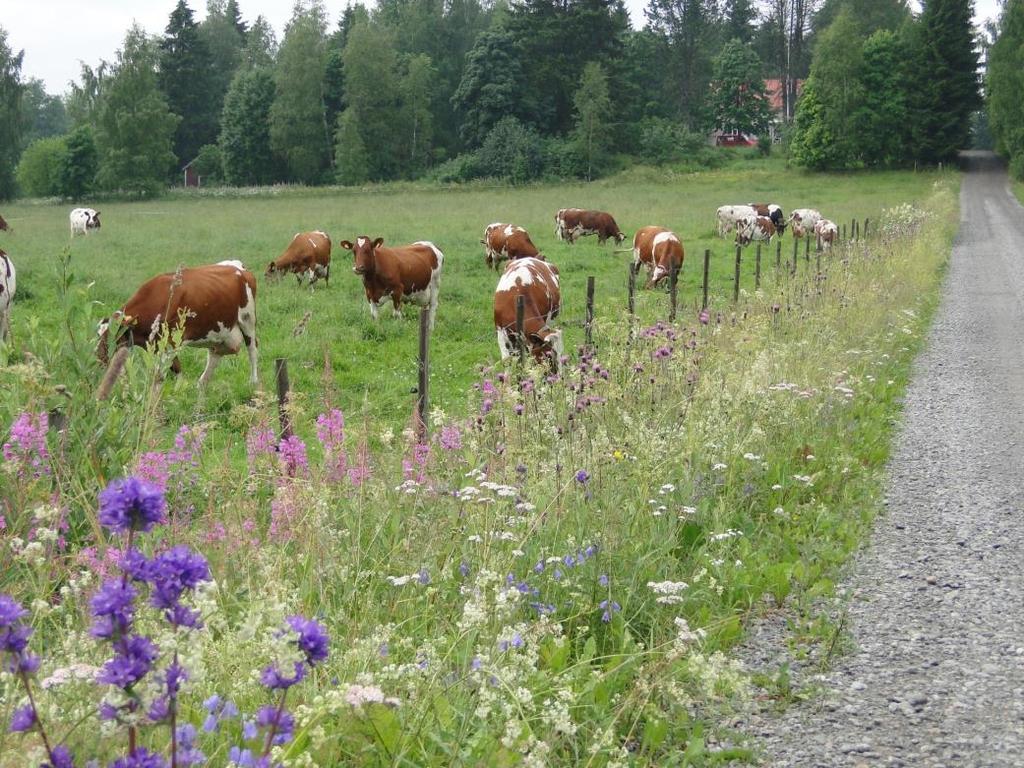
<point x="936" y="675"/>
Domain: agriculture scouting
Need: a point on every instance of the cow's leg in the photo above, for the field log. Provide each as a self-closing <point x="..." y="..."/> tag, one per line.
<point x="373" y="308"/>
<point x="252" y="348"/>
<point x="5" y="324"/>
<point x="396" y="301"/>
<point x="212" y="360"/>
<point x="504" y="343"/>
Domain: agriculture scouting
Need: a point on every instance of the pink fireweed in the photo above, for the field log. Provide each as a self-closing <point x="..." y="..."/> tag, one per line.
<point x="292" y="452"/>
<point x="27" y="445"/>
<point x="330" y="431"/>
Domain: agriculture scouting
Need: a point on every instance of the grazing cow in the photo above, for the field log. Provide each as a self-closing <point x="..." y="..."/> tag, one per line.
<point x="803" y="221"/>
<point x="660" y="249"/>
<point x="571" y="223"/>
<point x="773" y="212"/>
<point x="4" y="226"/>
<point x="406" y="273"/>
<point x="309" y="254"/>
<point x="84" y="219"/>
<point x="7" y="287"/>
<point x="537" y="282"/>
<point x="753" y="228"/>
<point x="507" y="241"/>
<point x="213" y="307"/>
<point x="827" y="232"/>
<point x="727" y="216"/>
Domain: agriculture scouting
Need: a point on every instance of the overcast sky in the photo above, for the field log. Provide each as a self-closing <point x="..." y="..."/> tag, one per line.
<point x="57" y="34"/>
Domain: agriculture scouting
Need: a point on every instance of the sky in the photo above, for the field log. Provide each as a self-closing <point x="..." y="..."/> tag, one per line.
<point x="58" y="34"/>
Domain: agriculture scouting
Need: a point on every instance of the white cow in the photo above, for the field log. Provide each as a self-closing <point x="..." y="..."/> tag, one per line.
<point x="728" y="215"/>
<point x="84" y="219"/>
<point x="7" y="286"/>
<point x="827" y="233"/>
<point x="803" y="221"/>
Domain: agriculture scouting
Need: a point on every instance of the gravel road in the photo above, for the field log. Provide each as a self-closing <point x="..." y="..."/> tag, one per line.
<point x="937" y="614"/>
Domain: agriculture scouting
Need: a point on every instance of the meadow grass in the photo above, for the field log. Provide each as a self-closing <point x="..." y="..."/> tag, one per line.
<point x="558" y="575"/>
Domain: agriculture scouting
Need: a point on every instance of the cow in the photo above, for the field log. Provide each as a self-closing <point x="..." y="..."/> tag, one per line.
<point x="773" y="212"/>
<point x="309" y="254"/>
<point x="213" y="307"/>
<point x="658" y="248"/>
<point x="4" y="226"/>
<point x="409" y="273"/>
<point x="84" y="219"/>
<point x="727" y="215"/>
<point x="7" y="287"/>
<point x="571" y="223"/>
<point x="537" y="282"/>
<point x="803" y="221"/>
<point x="827" y="233"/>
<point x="752" y="228"/>
<point x="507" y="241"/>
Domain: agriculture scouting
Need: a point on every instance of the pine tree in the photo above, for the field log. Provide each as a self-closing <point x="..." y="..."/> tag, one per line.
<point x="11" y="121"/>
<point x="738" y="100"/>
<point x="350" y="159"/>
<point x="245" y="128"/>
<point x="135" y="127"/>
<point x="232" y="14"/>
<point x="944" y="89"/>
<point x="593" y="106"/>
<point x="224" y="42"/>
<point x="740" y="16"/>
<point x="185" y="79"/>
<point x="298" y="132"/>
<point x="689" y="26"/>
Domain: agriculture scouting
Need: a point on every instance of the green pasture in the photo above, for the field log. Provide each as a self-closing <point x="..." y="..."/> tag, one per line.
<point x="372" y="365"/>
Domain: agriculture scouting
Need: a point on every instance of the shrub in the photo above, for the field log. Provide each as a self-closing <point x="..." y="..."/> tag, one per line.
<point x="764" y="145"/>
<point x="665" y="141"/>
<point x="1017" y="166"/>
<point x="209" y="164"/>
<point x="511" y="151"/>
<point x="38" y="173"/>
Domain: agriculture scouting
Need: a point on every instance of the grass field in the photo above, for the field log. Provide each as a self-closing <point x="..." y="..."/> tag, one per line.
<point x="557" y="576"/>
<point x="375" y="363"/>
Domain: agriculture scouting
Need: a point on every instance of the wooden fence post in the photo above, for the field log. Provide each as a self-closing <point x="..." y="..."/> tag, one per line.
<point x="817" y="257"/>
<point x="283" y="388"/>
<point x="796" y="245"/>
<point x="856" y="225"/>
<point x="631" y="301"/>
<point x="807" y="250"/>
<point x="590" y="311"/>
<point x="424" y="371"/>
<point x="707" y="267"/>
<point x="757" y="269"/>
<point x="673" y="291"/>
<point x="853" y="229"/>
<point x="736" y="280"/>
<point x="520" y="335"/>
<point x="778" y="253"/>
<point x="866" y="222"/>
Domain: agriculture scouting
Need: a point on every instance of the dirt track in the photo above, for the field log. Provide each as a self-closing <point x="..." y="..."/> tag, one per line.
<point x="937" y="615"/>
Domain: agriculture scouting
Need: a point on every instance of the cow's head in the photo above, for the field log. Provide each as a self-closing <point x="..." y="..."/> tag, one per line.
<point x="778" y="220"/>
<point x="363" y="253"/>
<point x="272" y="270"/>
<point x="548" y="344"/>
<point x="93" y="221"/>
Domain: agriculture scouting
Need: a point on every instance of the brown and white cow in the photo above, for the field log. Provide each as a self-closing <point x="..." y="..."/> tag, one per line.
<point x="83" y="220"/>
<point x="507" y="241"/>
<point x="213" y="307"/>
<point x="773" y="212"/>
<point x="410" y="273"/>
<point x="571" y="223"/>
<point x="309" y="254"/>
<point x="537" y="282"/>
<point x="7" y="287"/>
<point x="727" y="215"/>
<point x="827" y="233"/>
<point x="4" y="226"/>
<point x="658" y="248"/>
<point x="803" y="221"/>
<point x="753" y="228"/>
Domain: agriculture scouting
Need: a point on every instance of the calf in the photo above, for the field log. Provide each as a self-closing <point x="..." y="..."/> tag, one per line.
<point x="7" y="287"/>
<point x="827" y="233"/>
<point x="571" y="223"/>
<point x="213" y="307"/>
<point x="84" y="219"/>
<point x="507" y="241"/>
<point x="773" y="212"/>
<point x="309" y="254"/>
<point x="537" y="282"/>
<point x="753" y="228"/>
<point x="803" y="221"/>
<point x="727" y="215"/>
<point x="409" y="273"/>
<point x="660" y="249"/>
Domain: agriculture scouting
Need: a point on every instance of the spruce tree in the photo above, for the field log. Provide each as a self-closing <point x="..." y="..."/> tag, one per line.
<point x="245" y="128"/>
<point x="493" y="86"/>
<point x="185" y="70"/>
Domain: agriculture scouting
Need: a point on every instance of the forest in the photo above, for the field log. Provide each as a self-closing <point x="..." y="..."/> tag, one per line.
<point x="452" y="90"/>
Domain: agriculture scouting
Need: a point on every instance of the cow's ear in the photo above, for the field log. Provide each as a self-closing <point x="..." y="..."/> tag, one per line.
<point x="345" y="244"/>
<point x="378" y="242"/>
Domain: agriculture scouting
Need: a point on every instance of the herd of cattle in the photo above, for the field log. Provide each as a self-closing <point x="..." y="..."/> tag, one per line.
<point x="214" y="307"/>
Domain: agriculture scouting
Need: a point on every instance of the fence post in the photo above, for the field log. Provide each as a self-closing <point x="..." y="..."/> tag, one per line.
<point x="856" y="225"/>
<point x="590" y="311"/>
<point x="853" y="229"/>
<point x="817" y="256"/>
<point x="844" y="233"/>
<point x="736" y="280"/>
<point x="807" y="250"/>
<point x="757" y="269"/>
<point x="866" y="222"/>
<point x="778" y="253"/>
<point x="673" y="286"/>
<point x="796" y="245"/>
<point x="283" y="387"/>
<point x="707" y="266"/>
<point x="520" y="335"/>
<point x="424" y="371"/>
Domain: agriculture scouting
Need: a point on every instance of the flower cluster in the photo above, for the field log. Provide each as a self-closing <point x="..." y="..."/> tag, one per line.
<point x="27" y="445"/>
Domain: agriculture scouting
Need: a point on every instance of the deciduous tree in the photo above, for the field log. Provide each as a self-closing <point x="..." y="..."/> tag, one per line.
<point x="593" y="106"/>
<point x="1005" y="86"/>
<point x="738" y="99"/>
<point x="11" y="114"/>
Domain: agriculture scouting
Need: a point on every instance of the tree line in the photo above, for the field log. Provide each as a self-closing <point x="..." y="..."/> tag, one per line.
<point x="1004" y="85"/>
<point x="460" y="89"/>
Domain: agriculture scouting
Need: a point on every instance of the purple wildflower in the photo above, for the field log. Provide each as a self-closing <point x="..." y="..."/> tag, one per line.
<point x="134" y="660"/>
<point x="486" y="406"/>
<point x="114" y="608"/>
<point x="603" y="580"/>
<point x="312" y="641"/>
<point x="259" y="442"/>
<point x="131" y="504"/>
<point x="582" y="476"/>
<point x="23" y="719"/>
<point x="273" y="678"/>
<point x="464" y="569"/>
<point x="293" y="454"/>
<point x="60" y="757"/>
<point x="140" y="758"/>
<point x="610" y="607"/>
<point x="249" y="731"/>
<point x="451" y="438"/>
<point x="278" y="719"/>
<point x="704" y="317"/>
<point x="241" y="757"/>
<point x="171" y="574"/>
<point x="27" y="445"/>
<point x="188" y="753"/>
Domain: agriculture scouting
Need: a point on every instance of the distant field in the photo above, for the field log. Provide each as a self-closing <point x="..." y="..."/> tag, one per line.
<point x="375" y="363"/>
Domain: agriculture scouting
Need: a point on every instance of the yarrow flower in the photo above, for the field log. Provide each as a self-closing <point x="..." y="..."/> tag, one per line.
<point x="131" y="504"/>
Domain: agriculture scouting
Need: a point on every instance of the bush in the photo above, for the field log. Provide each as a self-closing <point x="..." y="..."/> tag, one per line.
<point x="764" y="145"/>
<point x="564" y="159"/>
<point x="458" y="169"/>
<point x="664" y="141"/>
<point x="511" y="151"/>
<point x="38" y="173"/>
<point x="1017" y="166"/>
